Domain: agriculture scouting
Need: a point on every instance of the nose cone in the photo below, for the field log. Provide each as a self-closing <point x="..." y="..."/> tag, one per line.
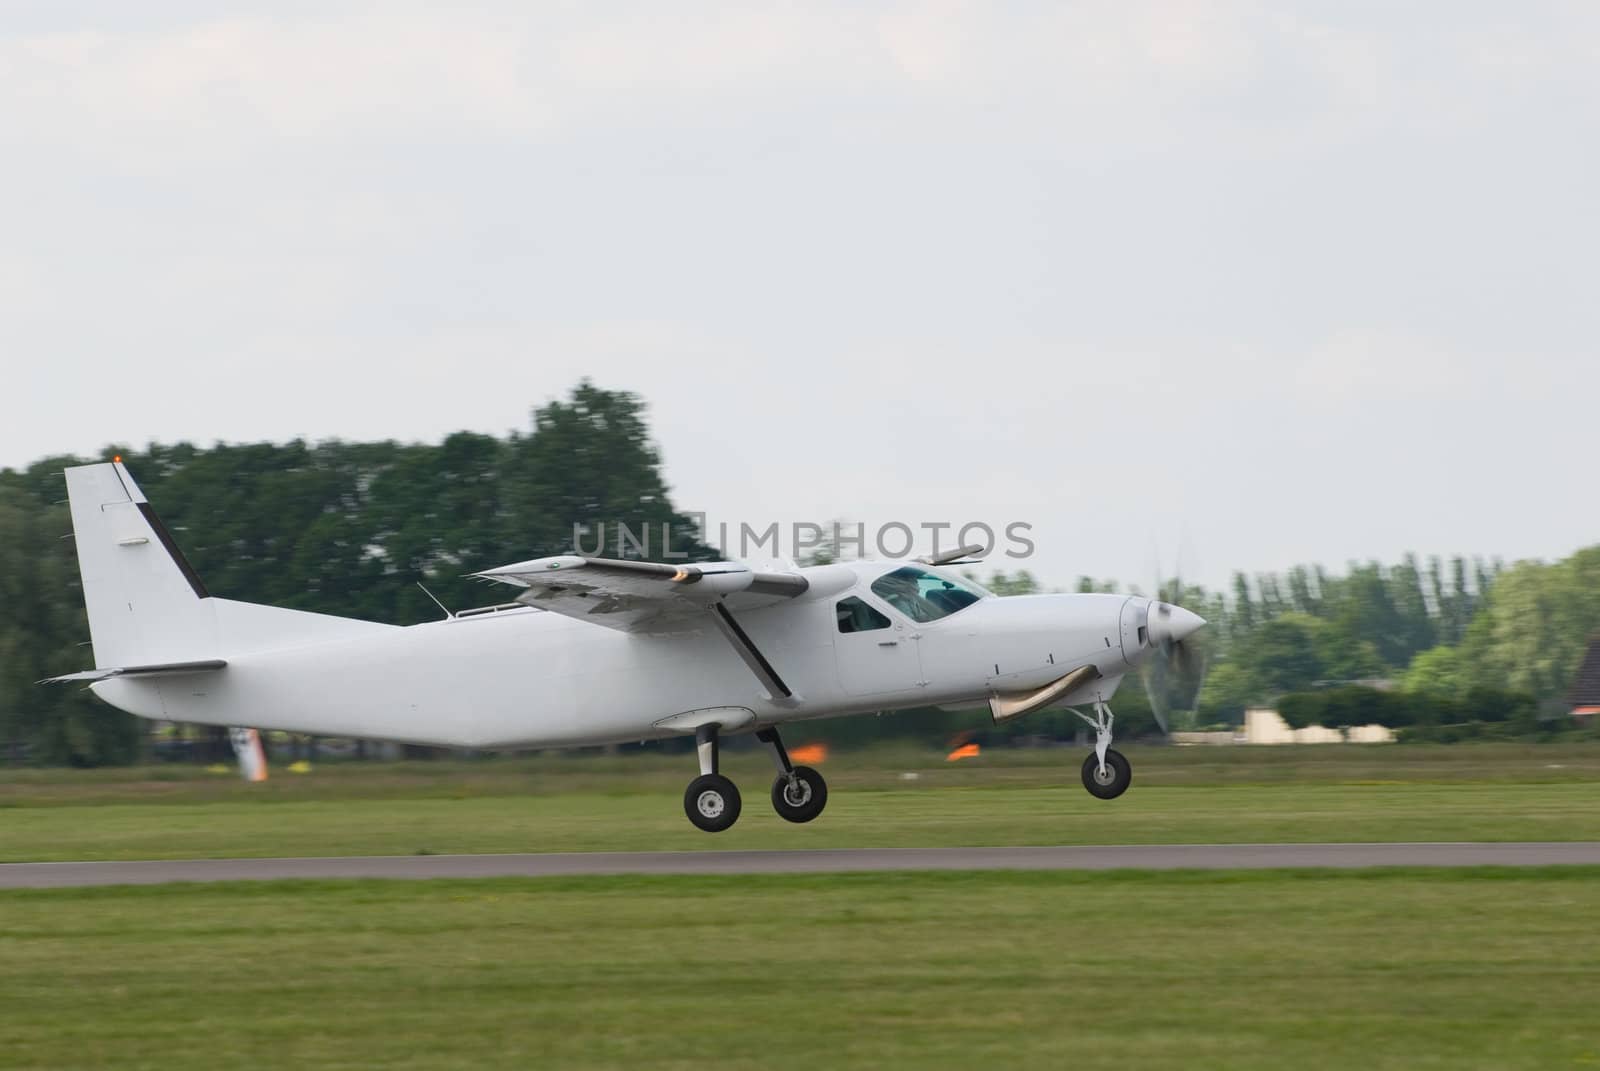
<point x="1172" y="624"/>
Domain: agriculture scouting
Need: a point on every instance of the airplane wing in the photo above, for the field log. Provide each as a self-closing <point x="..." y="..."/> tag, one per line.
<point x="656" y="597"/>
<point x="642" y="596"/>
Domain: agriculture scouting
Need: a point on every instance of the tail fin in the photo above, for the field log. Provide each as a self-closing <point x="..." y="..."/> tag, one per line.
<point x="148" y="608"/>
<point x="146" y="603"/>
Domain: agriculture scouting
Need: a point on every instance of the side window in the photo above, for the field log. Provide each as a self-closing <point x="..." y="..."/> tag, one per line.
<point x="857" y="616"/>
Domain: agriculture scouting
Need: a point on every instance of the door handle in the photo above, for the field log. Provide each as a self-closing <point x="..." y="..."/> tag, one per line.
<point x="888" y="643"/>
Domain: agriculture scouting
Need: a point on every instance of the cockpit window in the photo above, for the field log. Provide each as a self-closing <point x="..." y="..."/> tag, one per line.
<point x="858" y="616"/>
<point x="921" y="595"/>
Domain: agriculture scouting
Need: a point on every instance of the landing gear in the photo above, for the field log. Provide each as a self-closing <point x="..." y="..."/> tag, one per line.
<point x="1106" y="774"/>
<point x="1107" y="780"/>
<point x="799" y="793"/>
<point x="711" y="801"/>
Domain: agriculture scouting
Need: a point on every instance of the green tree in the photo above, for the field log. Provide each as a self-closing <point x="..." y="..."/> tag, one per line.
<point x="1282" y="656"/>
<point x="1229" y="688"/>
<point x="1436" y="673"/>
<point x="838" y="542"/>
<point x="1244" y="613"/>
<point x="42" y="633"/>
<point x="1415" y="627"/>
<point x="1535" y="625"/>
<point x="589" y="467"/>
<point x="1021" y="582"/>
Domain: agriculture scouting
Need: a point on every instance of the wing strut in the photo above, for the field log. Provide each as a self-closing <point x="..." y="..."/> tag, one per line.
<point x="749" y="652"/>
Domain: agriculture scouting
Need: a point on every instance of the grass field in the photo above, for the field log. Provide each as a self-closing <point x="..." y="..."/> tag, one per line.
<point x="1318" y="969"/>
<point x="1388" y="969"/>
<point x="879" y="798"/>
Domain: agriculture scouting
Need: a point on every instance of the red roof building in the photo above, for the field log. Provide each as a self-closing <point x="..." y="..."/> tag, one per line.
<point x="1583" y="698"/>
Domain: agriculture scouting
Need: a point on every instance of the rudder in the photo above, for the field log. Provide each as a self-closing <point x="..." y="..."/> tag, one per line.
<point x="146" y="603"/>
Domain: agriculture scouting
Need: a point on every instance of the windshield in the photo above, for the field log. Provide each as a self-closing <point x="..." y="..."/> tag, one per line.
<point x="923" y="596"/>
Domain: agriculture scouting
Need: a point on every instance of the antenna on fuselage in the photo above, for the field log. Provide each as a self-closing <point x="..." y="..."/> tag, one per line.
<point x="971" y="554"/>
<point x="436" y="601"/>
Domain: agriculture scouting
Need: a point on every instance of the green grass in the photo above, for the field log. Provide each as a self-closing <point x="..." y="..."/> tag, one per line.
<point x="1377" y="970"/>
<point x="919" y="818"/>
<point x="1319" y="969"/>
<point x="597" y="803"/>
<point x="880" y="766"/>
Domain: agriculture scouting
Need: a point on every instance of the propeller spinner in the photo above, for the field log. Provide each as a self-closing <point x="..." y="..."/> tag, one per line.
<point x="1169" y="627"/>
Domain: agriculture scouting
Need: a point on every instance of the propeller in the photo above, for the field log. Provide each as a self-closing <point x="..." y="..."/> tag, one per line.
<point x="1181" y="659"/>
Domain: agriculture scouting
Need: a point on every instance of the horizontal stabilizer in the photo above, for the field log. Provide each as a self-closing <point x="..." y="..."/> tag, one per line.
<point x="165" y="669"/>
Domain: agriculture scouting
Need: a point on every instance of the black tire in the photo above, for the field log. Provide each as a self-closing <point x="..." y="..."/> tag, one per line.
<point x="712" y="802"/>
<point x="811" y="789"/>
<point x="1119" y="775"/>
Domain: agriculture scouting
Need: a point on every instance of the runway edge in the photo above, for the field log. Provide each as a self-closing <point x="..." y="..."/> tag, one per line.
<point x="1075" y="857"/>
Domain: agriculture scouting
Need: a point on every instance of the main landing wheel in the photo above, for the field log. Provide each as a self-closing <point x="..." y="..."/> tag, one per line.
<point x="712" y="802"/>
<point x="800" y="798"/>
<point x="1111" y="782"/>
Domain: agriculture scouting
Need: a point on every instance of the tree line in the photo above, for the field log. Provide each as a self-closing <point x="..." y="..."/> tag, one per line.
<point x="352" y="528"/>
<point x="333" y="527"/>
<point x="1411" y="644"/>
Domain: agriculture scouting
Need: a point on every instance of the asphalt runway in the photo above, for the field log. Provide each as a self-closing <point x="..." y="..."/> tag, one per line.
<point x="1077" y="857"/>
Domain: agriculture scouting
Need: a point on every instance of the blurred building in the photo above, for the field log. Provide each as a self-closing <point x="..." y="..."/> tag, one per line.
<point x="1265" y="726"/>
<point x="1583" y="698"/>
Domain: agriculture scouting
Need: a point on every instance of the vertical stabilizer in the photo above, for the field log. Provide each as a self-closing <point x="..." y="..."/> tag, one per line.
<point x="146" y="603"/>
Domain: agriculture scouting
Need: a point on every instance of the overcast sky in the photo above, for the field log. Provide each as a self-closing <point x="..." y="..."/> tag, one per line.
<point x="1210" y="286"/>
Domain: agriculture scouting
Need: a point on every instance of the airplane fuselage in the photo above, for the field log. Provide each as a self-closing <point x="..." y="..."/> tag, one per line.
<point x="599" y="651"/>
<point x="522" y="677"/>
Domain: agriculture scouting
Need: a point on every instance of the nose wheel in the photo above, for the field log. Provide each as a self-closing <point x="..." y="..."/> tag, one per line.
<point x="1106" y="773"/>
<point x="1109" y="779"/>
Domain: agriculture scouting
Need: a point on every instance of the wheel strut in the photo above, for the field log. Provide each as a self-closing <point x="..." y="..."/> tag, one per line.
<point x="705" y="746"/>
<point x="711" y="801"/>
<point x="780" y="754"/>
<point x="798" y="792"/>
<point x="1106" y="773"/>
<point x="1101" y="724"/>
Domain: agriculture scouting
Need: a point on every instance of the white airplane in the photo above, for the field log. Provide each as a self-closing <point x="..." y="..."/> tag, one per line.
<point x="598" y="651"/>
